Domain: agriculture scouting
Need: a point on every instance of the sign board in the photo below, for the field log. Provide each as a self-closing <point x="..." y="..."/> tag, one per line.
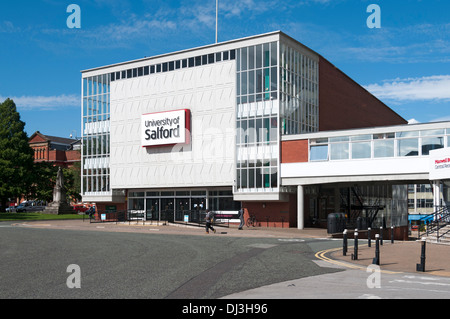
<point x="440" y="164"/>
<point x="165" y="128"/>
<point x="103" y="216"/>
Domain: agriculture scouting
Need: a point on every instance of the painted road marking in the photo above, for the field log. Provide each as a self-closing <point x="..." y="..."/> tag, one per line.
<point x="321" y="255"/>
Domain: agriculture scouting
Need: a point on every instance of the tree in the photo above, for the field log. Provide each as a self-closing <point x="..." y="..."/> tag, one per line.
<point x="44" y="175"/>
<point x="16" y="155"/>
<point x="73" y="176"/>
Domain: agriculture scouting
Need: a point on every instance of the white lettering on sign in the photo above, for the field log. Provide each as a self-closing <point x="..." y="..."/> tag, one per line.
<point x="165" y="128"/>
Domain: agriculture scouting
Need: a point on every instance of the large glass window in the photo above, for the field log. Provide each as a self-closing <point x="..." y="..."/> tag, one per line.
<point x="361" y="150"/>
<point x="408" y="147"/>
<point x="257" y="118"/>
<point x="319" y="153"/>
<point x="383" y="148"/>
<point x="339" y="151"/>
<point x="431" y="143"/>
<point x="95" y="135"/>
<point x="299" y="92"/>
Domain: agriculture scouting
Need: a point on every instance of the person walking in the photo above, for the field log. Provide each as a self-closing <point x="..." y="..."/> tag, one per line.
<point x="209" y="218"/>
<point x="241" y="217"/>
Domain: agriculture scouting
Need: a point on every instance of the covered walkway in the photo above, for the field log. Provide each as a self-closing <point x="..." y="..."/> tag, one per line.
<point x="380" y="160"/>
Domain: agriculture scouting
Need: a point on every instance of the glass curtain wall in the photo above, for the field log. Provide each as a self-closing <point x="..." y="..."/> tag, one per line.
<point x="299" y="92"/>
<point x="96" y="135"/>
<point x="257" y="118"/>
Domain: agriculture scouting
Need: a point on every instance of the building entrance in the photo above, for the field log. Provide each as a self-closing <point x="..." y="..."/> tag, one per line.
<point x="175" y="205"/>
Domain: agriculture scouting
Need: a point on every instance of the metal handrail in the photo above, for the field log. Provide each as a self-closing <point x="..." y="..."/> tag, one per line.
<point x="434" y="222"/>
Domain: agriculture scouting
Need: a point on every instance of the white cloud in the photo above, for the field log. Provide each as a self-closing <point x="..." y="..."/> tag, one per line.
<point x="45" y="102"/>
<point x="427" y="88"/>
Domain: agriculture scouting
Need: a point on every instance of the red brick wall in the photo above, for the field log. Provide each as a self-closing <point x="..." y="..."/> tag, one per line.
<point x="294" y="151"/>
<point x="344" y="104"/>
<point x="273" y="214"/>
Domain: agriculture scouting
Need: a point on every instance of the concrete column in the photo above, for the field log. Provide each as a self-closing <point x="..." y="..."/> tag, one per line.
<point x="300" y="207"/>
<point x="436" y="194"/>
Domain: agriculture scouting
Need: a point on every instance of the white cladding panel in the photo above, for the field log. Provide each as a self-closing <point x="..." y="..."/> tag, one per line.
<point x="209" y="93"/>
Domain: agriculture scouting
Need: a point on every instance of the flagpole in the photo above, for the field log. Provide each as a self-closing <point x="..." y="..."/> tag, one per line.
<point x="217" y="16"/>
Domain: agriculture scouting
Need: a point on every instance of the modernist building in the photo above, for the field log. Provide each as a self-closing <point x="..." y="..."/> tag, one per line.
<point x="211" y="127"/>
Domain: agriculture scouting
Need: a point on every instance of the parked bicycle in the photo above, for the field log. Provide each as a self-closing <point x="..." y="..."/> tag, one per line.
<point x="251" y="221"/>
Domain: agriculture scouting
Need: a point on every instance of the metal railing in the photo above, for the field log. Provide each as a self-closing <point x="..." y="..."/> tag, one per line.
<point x="434" y="223"/>
<point x="191" y="217"/>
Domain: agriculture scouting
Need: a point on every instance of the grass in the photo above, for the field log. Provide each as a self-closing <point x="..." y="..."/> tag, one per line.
<point x="36" y="216"/>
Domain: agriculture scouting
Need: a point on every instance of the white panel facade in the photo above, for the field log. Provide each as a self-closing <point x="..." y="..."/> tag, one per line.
<point x="209" y="93"/>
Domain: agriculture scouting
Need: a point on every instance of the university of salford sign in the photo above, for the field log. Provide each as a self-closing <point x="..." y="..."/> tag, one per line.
<point x="165" y="128"/>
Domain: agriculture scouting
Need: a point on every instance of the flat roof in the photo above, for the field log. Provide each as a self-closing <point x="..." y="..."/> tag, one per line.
<point x="369" y="130"/>
<point x="278" y="34"/>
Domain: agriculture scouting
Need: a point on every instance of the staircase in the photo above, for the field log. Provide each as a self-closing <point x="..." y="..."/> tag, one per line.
<point x="444" y="236"/>
<point x="437" y="226"/>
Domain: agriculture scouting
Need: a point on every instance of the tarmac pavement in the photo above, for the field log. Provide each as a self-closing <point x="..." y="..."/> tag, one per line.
<point x="400" y="256"/>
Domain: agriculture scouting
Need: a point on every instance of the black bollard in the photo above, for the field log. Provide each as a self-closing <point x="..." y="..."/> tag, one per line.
<point x="376" y="260"/>
<point x="344" y="247"/>
<point x="369" y="242"/>
<point x="381" y="235"/>
<point x="355" y="247"/>
<point x="421" y="266"/>
<point x="392" y="234"/>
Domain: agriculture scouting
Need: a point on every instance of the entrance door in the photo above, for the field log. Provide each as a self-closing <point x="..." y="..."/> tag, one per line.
<point x="167" y="209"/>
<point x="152" y="208"/>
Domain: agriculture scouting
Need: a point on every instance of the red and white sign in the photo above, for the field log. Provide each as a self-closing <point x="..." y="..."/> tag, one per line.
<point x="440" y="164"/>
<point x="165" y="128"/>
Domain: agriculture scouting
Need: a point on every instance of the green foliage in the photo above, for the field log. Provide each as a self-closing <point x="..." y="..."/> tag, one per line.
<point x="44" y="176"/>
<point x="16" y="156"/>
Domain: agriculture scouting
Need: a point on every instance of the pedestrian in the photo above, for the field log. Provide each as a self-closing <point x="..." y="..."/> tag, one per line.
<point x="241" y="217"/>
<point x="209" y="218"/>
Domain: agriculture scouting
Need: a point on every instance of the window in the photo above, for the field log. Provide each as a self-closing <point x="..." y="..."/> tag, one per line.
<point x="319" y="152"/>
<point x="408" y="147"/>
<point x="198" y="60"/>
<point x="339" y="151"/>
<point x="383" y="148"/>
<point x="431" y="143"/>
<point x="361" y="150"/>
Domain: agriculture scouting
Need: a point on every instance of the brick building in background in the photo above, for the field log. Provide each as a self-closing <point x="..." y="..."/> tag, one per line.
<point x="60" y="151"/>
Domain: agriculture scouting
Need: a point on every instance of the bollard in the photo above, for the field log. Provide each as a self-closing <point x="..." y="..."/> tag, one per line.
<point x="381" y="235"/>
<point x="369" y="242"/>
<point x="344" y="248"/>
<point x="355" y="247"/>
<point x="421" y="266"/>
<point x="376" y="260"/>
<point x="392" y="234"/>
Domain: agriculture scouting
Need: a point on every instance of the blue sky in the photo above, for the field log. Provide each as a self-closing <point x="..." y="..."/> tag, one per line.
<point x="405" y="63"/>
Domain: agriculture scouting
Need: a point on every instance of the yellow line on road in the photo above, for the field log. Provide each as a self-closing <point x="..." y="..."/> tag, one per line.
<point x="321" y="255"/>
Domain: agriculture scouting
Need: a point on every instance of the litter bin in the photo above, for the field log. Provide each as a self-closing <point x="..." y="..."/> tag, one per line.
<point x="336" y="223"/>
